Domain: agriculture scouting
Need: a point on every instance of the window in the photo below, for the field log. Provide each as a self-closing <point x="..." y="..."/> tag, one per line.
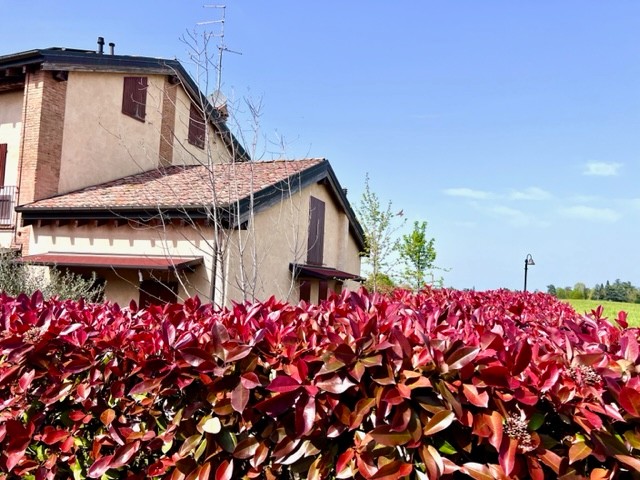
<point x="196" y="127"/>
<point x="134" y="97"/>
<point x="3" y="162"/>
<point x="155" y="292"/>
<point x="315" y="244"/>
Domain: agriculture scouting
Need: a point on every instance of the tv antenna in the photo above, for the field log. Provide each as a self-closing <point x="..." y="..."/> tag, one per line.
<point x="222" y="47"/>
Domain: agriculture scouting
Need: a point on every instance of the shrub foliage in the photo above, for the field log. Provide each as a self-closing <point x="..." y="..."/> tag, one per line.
<point x="437" y="384"/>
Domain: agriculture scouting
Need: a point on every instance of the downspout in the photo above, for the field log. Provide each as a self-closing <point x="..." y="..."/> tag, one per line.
<point x="214" y="266"/>
<point x="20" y="159"/>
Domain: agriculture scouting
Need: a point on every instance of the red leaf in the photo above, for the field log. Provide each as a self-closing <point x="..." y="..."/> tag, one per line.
<point x="393" y="471"/>
<point x="26" y="379"/>
<point x="145" y="386"/>
<point x="246" y="448"/>
<point x="335" y="384"/>
<point x="579" y="451"/>
<point x="123" y="454"/>
<point x="461" y="357"/>
<point x="477" y="471"/>
<point x="475" y="398"/>
<point x="250" y="380"/>
<point x="344" y="460"/>
<point x="522" y="359"/>
<point x="495" y="376"/>
<point x="195" y="356"/>
<point x="52" y="435"/>
<point x="438" y="422"/>
<point x="283" y="384"/>
<point x="107" y="416"/>
<point x="305" y="415"/>
<point x="239" y="398"/>
<point x="507" y="456"/>
<point x="100" y="466"/>
<point x="630" y="400"/>
<point x="629" y="461"/>
<point x="385" y="436"/>
<point x="225" y="470"/>
<point x="279" y="404"/>
<point x="238" y="353"/>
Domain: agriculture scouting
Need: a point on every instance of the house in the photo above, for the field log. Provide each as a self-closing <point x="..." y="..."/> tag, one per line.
<point x="119" y="165"/>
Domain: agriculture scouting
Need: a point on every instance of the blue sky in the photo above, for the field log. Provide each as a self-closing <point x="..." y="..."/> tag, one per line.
<point x="511" y="127"/>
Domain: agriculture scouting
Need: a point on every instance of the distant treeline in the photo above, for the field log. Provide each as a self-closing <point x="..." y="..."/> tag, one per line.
<point x="615" y="292"/>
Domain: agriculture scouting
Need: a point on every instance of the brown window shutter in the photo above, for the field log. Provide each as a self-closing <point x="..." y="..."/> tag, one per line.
<point x="305" y="290"/>
<point x="323" y="290"/>
<point x="3" y="162"/>
<point x="134" y="97"/>
<point x="196" y="127"/>
<point x="315" y="244"/>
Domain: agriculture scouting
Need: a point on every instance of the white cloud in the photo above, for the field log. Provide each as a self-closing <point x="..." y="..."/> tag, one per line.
<point x="515" y="217"/>
<point x="531" y="193"/>
<point x="584" y="212"/>
<point x="468" y="193"/>
<point x="602" y="169"/>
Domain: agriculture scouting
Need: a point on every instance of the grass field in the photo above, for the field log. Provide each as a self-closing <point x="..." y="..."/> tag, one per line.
<point x="611" y="309"/>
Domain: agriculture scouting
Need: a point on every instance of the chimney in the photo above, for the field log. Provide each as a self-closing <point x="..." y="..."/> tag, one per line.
<point x="100" y="45"/>
<point x="112" y="46"/>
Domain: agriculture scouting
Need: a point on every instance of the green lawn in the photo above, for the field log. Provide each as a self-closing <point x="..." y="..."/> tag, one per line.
<point x="611" y="309"/>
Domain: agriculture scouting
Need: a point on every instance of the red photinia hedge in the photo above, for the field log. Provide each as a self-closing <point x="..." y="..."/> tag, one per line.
<point x="439" y="384"/>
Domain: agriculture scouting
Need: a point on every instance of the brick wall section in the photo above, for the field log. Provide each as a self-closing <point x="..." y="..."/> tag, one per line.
<point x="43" y="125"/>
<point x="42" y="142"/>
<point x="168" y="123"/>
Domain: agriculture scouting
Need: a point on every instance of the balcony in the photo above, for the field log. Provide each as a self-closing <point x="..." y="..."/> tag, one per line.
<point x="8" y="197"/>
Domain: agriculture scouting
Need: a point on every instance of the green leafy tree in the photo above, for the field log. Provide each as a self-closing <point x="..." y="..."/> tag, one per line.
<point x="417" y="255"/>
<point x="551" y="290"/>
<point x="17" y="277"/>
<point x="380" y="225"/>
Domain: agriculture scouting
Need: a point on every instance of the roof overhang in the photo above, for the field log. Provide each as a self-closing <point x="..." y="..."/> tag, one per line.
<point x="322" y="273"/>
<point x="135" y="262"/>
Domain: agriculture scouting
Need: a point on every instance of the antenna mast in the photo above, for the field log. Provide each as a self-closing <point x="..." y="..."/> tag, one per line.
<point x="222" y="47"/>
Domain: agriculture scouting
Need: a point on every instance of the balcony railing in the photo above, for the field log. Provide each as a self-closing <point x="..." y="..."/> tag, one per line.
<point x="8" y="197"/>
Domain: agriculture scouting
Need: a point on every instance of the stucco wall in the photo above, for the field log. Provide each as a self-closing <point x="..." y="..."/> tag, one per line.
<point x="280" y="238"/>
<point x="11" y="106"/>
<point x="122" y="285"/>
<point x="101" y="143"/>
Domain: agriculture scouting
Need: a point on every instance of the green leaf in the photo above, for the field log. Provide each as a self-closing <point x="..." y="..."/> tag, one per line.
<point x="536" y="421"/>
<point x="444" y="447"/>
<point x="189" y="445"/>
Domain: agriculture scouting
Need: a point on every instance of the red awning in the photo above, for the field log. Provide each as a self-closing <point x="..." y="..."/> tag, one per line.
<point x="138" y="262"/>
<point x="323" y="273"/>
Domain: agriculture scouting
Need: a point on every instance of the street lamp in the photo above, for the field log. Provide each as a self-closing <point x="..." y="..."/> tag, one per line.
<point x="527" y="261"/>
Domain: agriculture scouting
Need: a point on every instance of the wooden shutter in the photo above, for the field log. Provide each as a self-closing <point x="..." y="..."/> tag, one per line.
<point x="196" y="127"/>
<point x="305" y="290"/>
<point x="134" y="97"/>
<point x="315" y="244"/>
<point x="3" y="162"/>
<point x="323" y="290"/>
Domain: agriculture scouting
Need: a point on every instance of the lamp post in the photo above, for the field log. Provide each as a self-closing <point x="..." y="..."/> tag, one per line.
<point x="527" y="261"/>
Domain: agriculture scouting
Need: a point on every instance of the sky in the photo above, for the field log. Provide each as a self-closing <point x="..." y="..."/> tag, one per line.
<point x="512" y="128"/>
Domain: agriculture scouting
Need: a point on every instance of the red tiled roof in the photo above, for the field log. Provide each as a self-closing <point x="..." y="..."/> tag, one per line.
<point x="115" y="261"/>
<point x="183" y="186"/>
